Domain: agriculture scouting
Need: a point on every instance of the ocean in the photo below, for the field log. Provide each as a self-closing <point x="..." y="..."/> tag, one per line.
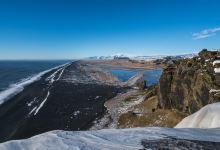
<point x="14" y="72"/>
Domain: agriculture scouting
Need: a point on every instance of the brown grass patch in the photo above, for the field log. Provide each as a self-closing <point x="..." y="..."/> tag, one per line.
<point x="147" y="114"/>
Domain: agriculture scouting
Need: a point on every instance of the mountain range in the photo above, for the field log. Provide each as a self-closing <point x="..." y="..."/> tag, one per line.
<point x="144" y="58"/>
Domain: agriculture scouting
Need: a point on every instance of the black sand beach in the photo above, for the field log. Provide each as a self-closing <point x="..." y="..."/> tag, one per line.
<point x="66" y="98"/>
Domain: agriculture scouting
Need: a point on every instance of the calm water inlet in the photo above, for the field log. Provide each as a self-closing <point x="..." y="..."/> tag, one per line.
<point x="151" y="76"/>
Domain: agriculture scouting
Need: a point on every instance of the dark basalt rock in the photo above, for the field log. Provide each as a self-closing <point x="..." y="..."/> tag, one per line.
<point x="171" y="143"/>
<point x="185" y="85"/>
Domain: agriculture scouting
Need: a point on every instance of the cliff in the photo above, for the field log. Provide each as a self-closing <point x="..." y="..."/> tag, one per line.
<point x="185" y="86"/>
<point x="189" y="84"/>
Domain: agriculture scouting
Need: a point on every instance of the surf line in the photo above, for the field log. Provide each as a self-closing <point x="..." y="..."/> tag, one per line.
<point x="19" y="87"/>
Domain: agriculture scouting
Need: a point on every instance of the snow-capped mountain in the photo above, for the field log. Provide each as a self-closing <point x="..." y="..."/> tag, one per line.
<point x="143" y="58"/>
<point x="119" y="55"/>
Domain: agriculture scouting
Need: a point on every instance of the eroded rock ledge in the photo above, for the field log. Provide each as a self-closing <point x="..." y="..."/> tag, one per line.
<point x="189" y="84"/>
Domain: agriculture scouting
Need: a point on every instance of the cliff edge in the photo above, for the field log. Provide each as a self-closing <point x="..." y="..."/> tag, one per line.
<point x="189" y="84"/>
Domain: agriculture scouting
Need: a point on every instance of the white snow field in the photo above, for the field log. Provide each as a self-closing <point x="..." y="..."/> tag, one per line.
<point x="216" y="62"/>
<point x="217" y="70"/>
<point x="206" y="117"/>
<point x="107" y="139"/>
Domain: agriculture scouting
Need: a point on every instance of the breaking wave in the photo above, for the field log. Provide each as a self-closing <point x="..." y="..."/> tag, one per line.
<point x="16" y="88"/>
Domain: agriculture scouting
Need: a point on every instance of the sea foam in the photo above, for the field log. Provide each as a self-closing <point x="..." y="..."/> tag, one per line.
<point x="16" y="88"/>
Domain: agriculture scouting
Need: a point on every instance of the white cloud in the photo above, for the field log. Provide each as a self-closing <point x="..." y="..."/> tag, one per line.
<point x="205" y="33"/>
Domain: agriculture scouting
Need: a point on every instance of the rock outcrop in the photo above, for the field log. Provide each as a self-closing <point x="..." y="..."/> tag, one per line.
<point x="189" y="84"/>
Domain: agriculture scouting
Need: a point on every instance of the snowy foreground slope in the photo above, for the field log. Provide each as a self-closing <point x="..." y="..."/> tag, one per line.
<point x="206" y="117"/>
<point x="119" y="139"/>
<point x="187" y="135"/>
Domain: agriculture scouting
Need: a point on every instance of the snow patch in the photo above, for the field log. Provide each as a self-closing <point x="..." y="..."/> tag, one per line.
<point x="214" y="91"/>
<point x="76" y="113"/>
<point x="31" y="103"/>
<point x="217" y="70"/>
<point x="41" y="105"/>
<point x="216" y="62"/>
<point x="32" y="110"/>
<point x="61" y="73"/>
<point x="52" y="76"/>
<point x="97" y="97"/>
<point x="206" y="117"/>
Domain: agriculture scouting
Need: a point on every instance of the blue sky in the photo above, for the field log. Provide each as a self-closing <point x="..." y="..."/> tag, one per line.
<point x="66" y="29"/>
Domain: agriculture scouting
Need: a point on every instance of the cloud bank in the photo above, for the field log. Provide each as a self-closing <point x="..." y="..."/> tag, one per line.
<point x="205" y="33"/>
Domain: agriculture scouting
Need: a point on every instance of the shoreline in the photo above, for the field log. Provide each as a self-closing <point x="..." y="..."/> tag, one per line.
<point x="73" y="103"/>
<point x="18" y="87"/>
<point x="69" y="98"/>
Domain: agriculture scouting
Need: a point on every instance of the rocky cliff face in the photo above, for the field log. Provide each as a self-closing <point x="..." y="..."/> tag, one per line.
<point x="189" y="84"/>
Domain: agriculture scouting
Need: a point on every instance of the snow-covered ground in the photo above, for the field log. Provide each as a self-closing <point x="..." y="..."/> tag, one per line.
<point x="114" y="139"/>
<point x="214" y="91"/>
<point x="206" y="117"/>
<point x="216" y="62"/>
<point x="217" y="70"/>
